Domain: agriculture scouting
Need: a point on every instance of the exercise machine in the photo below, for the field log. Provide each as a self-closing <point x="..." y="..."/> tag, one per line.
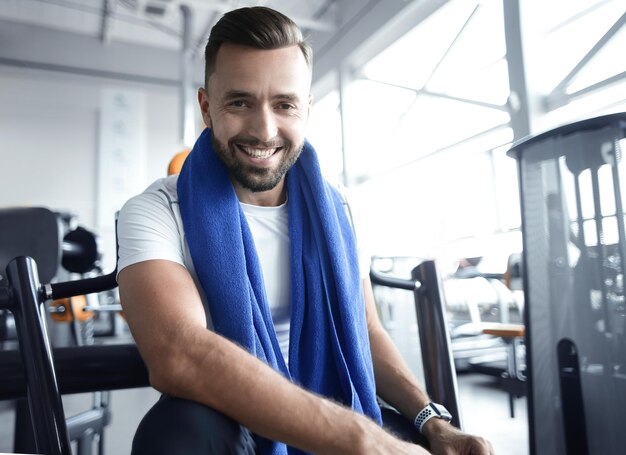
<point x="31" y="249"/>
<point x="572" y="186"/>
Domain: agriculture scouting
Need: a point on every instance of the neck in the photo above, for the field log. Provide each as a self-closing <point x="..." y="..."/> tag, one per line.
<point x="271" y="198"/>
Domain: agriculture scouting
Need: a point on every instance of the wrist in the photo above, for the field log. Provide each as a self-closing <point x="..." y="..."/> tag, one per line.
<point x="431" y="412"/>
<point x="434" y="427"/>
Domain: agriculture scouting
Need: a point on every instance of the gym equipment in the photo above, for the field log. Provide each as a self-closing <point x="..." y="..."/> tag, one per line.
<point x="439" y="373"/>
<point x="177" y="161"/>
<point x="81" y="369"/>
<point x="572" y="189"/>
<point x="80" y="251"/>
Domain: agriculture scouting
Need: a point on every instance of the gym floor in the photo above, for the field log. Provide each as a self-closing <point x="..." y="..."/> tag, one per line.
<point x="485" y="411"/>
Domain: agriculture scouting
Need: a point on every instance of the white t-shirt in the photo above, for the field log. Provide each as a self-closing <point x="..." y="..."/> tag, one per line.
<point x="150" y="227"/>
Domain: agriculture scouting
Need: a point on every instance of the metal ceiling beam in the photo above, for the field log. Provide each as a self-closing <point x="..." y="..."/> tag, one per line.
<point x="422" y="91"/>
<point x="452" y="44"/>
<point x="518" y="97"/>
<point x="107" y="24"/>
<point x="556" y="102"/>
<point x="302" y="22"/>
<point x="559" y="96"/>
<point x="38" y="48"/>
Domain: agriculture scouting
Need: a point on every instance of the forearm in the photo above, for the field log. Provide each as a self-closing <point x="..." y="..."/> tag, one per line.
<point x="395" y="382"/>
<point x="218" y="373"/>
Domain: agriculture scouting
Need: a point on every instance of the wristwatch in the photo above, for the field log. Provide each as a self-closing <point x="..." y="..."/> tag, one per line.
<point x="430" y="411"/>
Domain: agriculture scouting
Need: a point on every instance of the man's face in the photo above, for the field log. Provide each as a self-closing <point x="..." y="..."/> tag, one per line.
<point x="257" y="106"/>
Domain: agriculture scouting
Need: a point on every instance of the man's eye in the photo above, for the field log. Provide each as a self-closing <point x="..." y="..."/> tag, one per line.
<point x="238" y="103"/>
<point x="286" y="106"/>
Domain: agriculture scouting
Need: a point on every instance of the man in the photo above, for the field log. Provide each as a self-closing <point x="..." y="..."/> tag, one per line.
<point x="251" y="243"/>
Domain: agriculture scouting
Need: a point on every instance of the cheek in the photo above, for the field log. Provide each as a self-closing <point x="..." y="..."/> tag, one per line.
<point x="221" y="126"/>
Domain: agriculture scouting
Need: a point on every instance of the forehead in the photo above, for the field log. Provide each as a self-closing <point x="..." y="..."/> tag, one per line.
<point x="254" y="70"/>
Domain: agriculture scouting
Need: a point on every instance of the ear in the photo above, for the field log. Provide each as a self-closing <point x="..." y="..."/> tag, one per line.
<point x="203" y="101"/>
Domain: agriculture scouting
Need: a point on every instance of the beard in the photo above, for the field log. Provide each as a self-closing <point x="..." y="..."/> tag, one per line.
<point x="255" y="178"/>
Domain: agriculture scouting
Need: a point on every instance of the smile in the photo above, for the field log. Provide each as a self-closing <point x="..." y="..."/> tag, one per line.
<point x="258" y="153"/>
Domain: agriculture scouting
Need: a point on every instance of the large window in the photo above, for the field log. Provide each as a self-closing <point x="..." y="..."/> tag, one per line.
<point x="426" y="122"/>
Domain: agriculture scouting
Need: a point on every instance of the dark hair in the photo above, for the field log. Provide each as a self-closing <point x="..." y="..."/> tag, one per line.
<point x="258" y="27"/>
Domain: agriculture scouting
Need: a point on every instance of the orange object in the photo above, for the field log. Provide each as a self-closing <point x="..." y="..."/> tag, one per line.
<point x="504" y="330"/>
<point x="176" y="164"/>
<point x="77" y="303"/>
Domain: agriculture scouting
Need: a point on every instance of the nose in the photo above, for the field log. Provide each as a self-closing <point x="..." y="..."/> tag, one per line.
<point x="264" y="124"/>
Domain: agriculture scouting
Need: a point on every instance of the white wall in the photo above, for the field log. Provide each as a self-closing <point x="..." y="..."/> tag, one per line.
<point x="49" y="137"/>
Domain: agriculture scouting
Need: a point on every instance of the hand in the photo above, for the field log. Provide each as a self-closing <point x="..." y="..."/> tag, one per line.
<point x="371" y="439"/>
<point x="447" y="440"/>
<point x="385" y="444"/>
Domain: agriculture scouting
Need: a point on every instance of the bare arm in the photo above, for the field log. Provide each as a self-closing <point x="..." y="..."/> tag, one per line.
<point x="184" y="359"/>
<point x="396" y="384"/>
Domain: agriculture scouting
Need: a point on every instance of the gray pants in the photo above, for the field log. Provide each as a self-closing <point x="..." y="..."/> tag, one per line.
<point x="183" y="427"/>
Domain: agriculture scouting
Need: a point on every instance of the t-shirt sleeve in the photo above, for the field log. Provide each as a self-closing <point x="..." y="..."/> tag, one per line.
<point x="147" y="229"/>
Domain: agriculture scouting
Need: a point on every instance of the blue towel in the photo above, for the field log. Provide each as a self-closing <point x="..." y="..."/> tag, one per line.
<point x="329" y="351"/>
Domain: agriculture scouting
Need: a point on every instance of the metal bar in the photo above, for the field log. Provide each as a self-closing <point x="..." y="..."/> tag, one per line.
<point x="391" y="282"/>
<point x="85" y="442"/>
<point x="558" y="99"/>
<point x="80" y="370"/>
<point x="131" y="19"/>
<point x="577" y="16"/>
<point x="592" y="53"/>
<point x="497" y="107"/>
<point x="160" y="81"/>
<point x="614" y="152"/>
<point x="518" y="98"/>
<point x="451" y="46"/>
<point x="427" y="92"/>
<point x="44" y="399"/>
<point x="108" y="9"/>
<point x="601" y="250"/>
<point x="439" y="371"/>
<point x="93" y="419"/>
<point x="80" y="287"/>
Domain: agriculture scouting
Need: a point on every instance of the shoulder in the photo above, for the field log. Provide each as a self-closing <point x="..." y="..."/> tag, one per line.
<point x="154" y="210"/>
<point x="149" y="225"/>
<point x="160" y="195"/>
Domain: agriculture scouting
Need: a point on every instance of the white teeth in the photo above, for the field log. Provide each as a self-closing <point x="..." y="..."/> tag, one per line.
<point x="256" y="153"/>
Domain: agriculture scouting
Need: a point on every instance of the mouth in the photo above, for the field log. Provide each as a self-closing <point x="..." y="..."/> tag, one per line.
<point x="258" y="153"/>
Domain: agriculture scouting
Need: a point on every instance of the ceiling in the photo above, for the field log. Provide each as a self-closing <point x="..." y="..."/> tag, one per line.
<point x="143" y="40"/>
<point x="156" y="23"/>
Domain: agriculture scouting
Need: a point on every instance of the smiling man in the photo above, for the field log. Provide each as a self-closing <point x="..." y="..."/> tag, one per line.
<point x="257" y="106"/>
<point x="244" y="287"/>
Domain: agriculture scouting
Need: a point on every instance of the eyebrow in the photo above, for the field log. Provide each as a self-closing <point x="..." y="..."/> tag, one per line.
<point x="233" y="94"/>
